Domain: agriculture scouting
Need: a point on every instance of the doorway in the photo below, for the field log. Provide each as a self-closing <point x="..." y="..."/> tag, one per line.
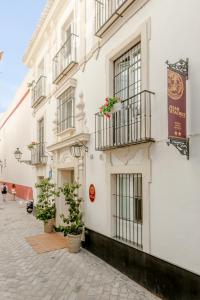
<point x="64" y="176"/>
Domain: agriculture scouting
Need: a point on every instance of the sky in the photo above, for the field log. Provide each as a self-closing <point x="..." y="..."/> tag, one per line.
<point x="18" y="19"/>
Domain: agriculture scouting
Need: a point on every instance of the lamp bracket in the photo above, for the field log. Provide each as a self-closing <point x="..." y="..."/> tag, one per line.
<point x="181" y="145"/>
<point x="84" y="146"/>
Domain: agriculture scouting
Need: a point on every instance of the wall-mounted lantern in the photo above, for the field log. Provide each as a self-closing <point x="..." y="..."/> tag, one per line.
<point x="18" y="156"/>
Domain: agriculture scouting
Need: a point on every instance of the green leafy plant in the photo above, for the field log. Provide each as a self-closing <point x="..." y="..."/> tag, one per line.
<point x="45" y="207"/>
<point x="106" y="108"/>
<point x="73" y="223"/>
<point x="32" y="145"/>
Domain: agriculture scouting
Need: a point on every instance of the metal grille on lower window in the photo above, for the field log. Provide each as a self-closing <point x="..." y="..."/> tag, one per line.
<point x="128" y="208"/>
<point x="66" y="110"/>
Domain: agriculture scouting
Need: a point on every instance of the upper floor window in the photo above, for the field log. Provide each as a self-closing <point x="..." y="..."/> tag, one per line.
<point x="127" y="74"/>
<point x="65" y="58"/>
<point x="131" y="123"/>
<point x="38" y="151"/>
<point x="66" y="110"/>
<point x="41" y="69"/>
<point x="107" y="11"/>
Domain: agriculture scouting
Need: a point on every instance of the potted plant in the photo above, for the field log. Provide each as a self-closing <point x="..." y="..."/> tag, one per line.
<point x="45" y="207"/>
<point x="32" y="145"/>
<point x="111" y="105"/>
<point x="73" y="222"/>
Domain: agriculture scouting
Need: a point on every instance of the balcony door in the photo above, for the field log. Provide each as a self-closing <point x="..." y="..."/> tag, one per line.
<point x="67" y="46"/>
<point x="127" y="87"/>
<point x="41" y="137"/>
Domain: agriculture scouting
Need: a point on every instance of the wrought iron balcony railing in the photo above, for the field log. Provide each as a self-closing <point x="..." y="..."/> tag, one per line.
<point x="39" y="91"/>
<point x="107" y="12"/>
<point x="37" y="154"/>
<point x="129" y="125"/>
<point x="65" y="59"/>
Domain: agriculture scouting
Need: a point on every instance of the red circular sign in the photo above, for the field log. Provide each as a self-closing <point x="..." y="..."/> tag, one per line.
<point x="92" y="192"/>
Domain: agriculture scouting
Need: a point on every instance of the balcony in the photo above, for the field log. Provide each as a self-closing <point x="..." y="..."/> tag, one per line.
<point x="39" y="91"/>
<point x="38" y="154"/>
<point x="65" y="59"/>
<point x="107" y="12"/>
<point x="129" y="125"/>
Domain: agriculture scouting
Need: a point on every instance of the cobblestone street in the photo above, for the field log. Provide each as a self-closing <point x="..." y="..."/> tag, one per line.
<point x="53" y="275"/>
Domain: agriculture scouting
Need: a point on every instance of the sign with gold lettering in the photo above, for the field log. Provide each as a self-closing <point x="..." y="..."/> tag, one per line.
<point x="176" y="105"/>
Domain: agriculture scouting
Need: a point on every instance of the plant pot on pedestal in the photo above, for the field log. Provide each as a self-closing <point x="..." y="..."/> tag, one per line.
<point x="49" y="225"/>
<point x="74" y="243"/>
<point x="72" y="224"/>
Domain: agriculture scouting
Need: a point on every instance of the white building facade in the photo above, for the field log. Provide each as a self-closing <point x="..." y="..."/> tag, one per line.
<point x="144" y="219"/>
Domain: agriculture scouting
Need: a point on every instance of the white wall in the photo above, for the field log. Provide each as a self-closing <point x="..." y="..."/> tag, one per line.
<point x="16" y="132"/>
<point x="170" y="31"/>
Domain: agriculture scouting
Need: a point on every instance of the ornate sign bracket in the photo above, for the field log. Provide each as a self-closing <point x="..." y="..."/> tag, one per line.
<point x="181" y="146"/>
<point x="180" y="67"/>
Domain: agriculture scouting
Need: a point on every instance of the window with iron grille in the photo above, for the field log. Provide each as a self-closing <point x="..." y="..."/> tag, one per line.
<point x="127" y="87"/>
<point x="41" y="137"/>
<point x="127" y="74"/>
<point x="66" y="110"/>
<point x="104" y="10"/>
<point x="128" y="208"/>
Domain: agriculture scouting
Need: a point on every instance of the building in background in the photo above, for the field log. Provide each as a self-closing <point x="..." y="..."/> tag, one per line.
<point x="144" y="217"/>
<point x="15" y="132"/>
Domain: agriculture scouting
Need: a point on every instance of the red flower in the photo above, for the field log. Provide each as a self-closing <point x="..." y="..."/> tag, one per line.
<point x="107" y="115"/>
<point x="107" y="100"/>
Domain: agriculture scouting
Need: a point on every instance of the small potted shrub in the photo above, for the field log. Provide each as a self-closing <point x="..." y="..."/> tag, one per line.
<point x="111" y="105"/>
<point x="45" y="207"/>
<point x="32" y="145"/>
<point x="73" y="222"/>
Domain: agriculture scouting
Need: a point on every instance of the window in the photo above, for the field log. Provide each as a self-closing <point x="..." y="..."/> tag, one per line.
<point x="40" y="70"/>
<point x="127" y="74"/>
<point x="67" y="43"/>
<point x="127" y="87"/>
<point x="128" y="208"/>
<point x="66" y="110"/>
<point x="41" y="137"/>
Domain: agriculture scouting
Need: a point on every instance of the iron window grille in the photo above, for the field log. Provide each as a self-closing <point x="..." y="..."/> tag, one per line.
<point x="36" y="153"/>
<point x="39" y="149"/>
<point x="39" y="90"/>
<point x="66" y="110"/>
<point x="128" y="208"/>
<point x="131" y="124"/>
<point x="65" y="58"/>
<point x="107" y="11"/>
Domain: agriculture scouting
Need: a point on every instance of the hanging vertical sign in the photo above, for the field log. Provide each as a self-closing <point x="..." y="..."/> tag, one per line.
<point x="176" y="105"/>
<point x="177" y="75"/>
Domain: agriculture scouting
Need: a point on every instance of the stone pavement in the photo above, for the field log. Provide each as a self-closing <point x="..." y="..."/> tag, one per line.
<point x="59" y="275"/>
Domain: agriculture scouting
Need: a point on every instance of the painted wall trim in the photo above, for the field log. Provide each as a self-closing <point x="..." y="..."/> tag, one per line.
<point x="15" y="108"/>
<point x="23" y="192"/>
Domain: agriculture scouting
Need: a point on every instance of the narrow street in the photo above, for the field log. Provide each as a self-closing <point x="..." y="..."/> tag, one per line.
<point x="54" y="275"/>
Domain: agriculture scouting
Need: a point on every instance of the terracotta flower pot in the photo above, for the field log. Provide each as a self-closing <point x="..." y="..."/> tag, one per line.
<point x="74" y="243"/>
<point x="48" y="226"/>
